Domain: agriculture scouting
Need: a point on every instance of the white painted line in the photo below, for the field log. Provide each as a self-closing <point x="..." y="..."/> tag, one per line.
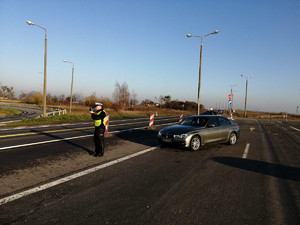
<point x="295" y="128"/>
<point x="71" y="177"/>
<point x="72" y="124"/>
<point x="10" y="121"/>
<point x="44" y="142"/>
<point x="246" y="151"/>
<point x="71" y="138"/>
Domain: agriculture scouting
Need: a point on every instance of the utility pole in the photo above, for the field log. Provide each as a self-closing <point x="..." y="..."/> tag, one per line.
<point x="71" y="83"/>
<point x="247" y="77"/>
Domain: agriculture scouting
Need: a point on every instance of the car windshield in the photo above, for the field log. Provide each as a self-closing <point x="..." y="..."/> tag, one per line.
<point x="195" y="121"/>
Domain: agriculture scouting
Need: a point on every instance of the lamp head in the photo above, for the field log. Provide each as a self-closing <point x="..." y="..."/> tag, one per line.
<point x="189" y="35"/>
<point x="29" y="22"/>
<point x="251" y="76"/>
<point x="215" y="32"/>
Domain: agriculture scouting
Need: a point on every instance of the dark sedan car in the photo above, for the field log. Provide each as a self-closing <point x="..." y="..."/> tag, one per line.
<point x="210" y="112"/>
<point x="196" y="131"/>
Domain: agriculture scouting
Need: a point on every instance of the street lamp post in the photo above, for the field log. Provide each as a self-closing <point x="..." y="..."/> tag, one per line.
<point x="71" y="84"/>
<point x="247" y="77"/>
<point x="45" y="68"/>
<point x="200" y="64"/>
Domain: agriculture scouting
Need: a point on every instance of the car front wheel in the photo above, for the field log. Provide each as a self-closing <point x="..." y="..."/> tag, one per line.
<point x="195" y="143"/>
<point x="232" y="138"/>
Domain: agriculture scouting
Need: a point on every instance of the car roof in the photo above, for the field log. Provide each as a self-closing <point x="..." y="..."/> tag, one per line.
<point x="210" y="112"/>
<point x="205" y="115"/>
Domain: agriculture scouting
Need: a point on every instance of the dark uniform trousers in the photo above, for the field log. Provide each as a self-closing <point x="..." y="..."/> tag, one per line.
<point x="99" y="139"/>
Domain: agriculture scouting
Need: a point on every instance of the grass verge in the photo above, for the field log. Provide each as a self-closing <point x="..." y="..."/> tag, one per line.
<point x="84" y="117"/>
<point x="9" y="112"/>
<point x="50" y="120"/>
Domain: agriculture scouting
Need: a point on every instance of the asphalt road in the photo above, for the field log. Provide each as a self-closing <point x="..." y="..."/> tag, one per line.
<point x="26" y="113"/>
<point x="54" y="179"/>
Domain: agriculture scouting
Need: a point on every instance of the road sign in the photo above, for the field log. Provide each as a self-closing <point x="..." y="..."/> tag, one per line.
<point x="229" y="102"/>
<point x="229" y="96"/>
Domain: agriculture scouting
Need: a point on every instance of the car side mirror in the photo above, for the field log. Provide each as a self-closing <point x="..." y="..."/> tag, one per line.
<point x="211" y="125"/>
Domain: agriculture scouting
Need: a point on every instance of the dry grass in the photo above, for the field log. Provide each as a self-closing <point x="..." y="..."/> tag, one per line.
<point x="8" y="112"/>
<point x="82" y="111"/>
<point x="266" y="115"/>
<point x="138" y="111"/>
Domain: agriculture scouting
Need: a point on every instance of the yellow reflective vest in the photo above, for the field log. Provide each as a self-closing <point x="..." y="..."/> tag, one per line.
<point x="99" y="122"/>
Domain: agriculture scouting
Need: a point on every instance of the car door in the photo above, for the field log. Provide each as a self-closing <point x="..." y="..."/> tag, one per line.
<point x="225" y="128"/>
<point x="212" y="130"/>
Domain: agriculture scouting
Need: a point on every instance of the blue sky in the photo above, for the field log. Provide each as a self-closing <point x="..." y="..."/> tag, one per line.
<point x="144" y="44"/>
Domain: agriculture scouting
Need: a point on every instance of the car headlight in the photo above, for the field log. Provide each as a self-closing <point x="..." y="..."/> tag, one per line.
<point x="159" y="133"/>
<point x="181" y="136"/>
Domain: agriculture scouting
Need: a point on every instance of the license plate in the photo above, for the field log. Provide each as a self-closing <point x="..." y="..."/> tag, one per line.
<point x="166" y="140"/>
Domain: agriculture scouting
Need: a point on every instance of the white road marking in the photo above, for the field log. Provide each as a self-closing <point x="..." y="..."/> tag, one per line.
<point x="10" y="121"/>
<point x="72" y="124"/>
<point x="246" y="151"/>
<point x="295" y="128"/>
<point x="71" y="177"/>
<point x="71" y="138"/>
<point x="44" y="142"/>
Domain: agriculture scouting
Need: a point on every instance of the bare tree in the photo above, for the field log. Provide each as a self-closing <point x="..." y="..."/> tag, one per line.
<point x="7" y="92"/>
<point x="121" y="94"/>
<point x="167" y="98"/>
<point x="61" y="98"/>
<point x="133" y="100"/>
<point x="78" y="97"/>
<point x="164" y="99"/>
<point x="116" y="94"/>
<point x="161" y="100"/>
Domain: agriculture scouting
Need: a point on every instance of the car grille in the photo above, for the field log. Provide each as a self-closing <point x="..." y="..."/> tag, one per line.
<point x="167" y="135"/>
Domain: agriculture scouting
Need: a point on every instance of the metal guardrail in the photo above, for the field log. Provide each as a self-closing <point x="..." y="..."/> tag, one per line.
<point x="56" y="111"/>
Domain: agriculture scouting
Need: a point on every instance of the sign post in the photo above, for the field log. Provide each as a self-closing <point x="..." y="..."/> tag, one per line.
<point x="230" y="103"/>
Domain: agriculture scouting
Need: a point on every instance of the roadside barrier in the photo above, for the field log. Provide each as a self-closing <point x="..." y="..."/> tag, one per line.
<point x="180" y="118"/>
<point x="58" y="112"/>
<point x="231" y="116"/>
<point x="151" y="120"/>
<point x="106" y="124"/>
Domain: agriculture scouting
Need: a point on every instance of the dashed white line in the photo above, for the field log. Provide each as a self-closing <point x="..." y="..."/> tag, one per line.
<point x="246" y="151"/>
<point x="71" y="177"/>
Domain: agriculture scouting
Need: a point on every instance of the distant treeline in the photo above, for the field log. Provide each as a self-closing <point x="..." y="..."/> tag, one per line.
<point x="122" y="99"/>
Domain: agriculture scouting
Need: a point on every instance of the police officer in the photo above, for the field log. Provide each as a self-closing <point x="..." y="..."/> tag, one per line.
<point x="98" y="115"/>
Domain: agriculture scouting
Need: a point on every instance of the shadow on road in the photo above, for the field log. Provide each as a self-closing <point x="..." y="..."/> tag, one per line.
<point x="90" y="152"/>
<point x="271" y="169"/>
<point x="141" y="136"/>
